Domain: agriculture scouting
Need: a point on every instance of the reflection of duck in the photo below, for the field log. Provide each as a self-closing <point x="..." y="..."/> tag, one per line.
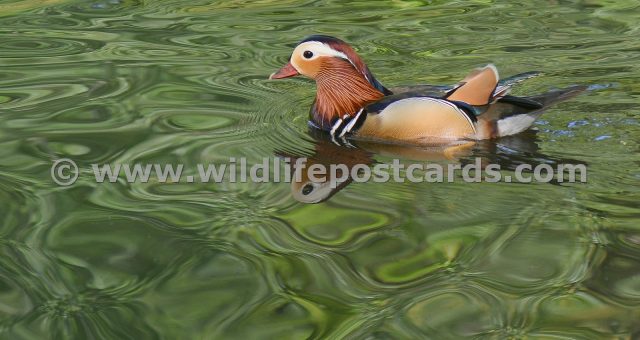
<point x="508" y="152"/>
<point x="350" y="101"/>
<point x="328" y="153"/>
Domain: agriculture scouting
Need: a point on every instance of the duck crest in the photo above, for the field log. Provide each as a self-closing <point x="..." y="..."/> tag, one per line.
<point x="341" y="90"/>
<point x="354" y="58"/>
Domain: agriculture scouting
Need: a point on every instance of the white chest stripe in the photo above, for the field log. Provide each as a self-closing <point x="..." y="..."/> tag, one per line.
<point x="335" y="126"/>
<point x="351" y="123"/>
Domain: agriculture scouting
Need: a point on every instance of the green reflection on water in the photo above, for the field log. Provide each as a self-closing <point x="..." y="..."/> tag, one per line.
<point x="170" y="81"/>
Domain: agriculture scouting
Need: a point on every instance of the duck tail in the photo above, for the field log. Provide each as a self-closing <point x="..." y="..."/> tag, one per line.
<point x="511" y="115"/>
<point x="560" y="95"/>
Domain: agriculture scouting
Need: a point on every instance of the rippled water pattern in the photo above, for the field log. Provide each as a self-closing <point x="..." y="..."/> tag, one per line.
<point x="185" y="82"/>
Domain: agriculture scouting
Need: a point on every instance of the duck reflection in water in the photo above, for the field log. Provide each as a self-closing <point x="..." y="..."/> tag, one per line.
<point x="507" y="152"/>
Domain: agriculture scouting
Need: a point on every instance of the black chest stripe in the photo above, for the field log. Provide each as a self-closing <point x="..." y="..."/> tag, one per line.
<point x="351" y="124"/>
<point x="468" y="110"/>
<point x="347" y="124"/>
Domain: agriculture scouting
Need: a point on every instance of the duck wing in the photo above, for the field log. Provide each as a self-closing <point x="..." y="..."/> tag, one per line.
<point x="404" y="118"/>
<point x="440" y="91"/>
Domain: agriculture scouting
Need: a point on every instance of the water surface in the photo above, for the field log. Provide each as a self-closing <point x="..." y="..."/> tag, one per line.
<point x="185" y="82"/>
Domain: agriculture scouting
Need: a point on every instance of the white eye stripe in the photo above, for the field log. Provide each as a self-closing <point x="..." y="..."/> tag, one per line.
<point x="319" y="49"/>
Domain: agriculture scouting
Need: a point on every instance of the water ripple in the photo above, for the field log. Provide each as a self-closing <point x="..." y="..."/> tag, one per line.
<point x="168" y="82"/>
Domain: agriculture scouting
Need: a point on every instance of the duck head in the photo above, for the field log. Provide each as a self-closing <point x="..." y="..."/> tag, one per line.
<point x="344" y="83"/>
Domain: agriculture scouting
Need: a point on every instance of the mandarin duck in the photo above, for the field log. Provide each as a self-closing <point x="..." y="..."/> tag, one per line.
<point x="351" y="102"/>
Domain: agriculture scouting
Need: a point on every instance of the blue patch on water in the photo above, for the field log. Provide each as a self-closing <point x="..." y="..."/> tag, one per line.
<point x="563" y="133"/>
<point x="596" y="87"/>
<point x="105" y="4"/>
<point x="577" y="123"/>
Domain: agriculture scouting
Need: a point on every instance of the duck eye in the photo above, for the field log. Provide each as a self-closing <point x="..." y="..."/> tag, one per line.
<point x="307" y="189"/>
<point x="308" y="54"/>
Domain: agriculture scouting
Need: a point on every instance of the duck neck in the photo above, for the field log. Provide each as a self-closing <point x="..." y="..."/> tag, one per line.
<point x="341" y="90"/>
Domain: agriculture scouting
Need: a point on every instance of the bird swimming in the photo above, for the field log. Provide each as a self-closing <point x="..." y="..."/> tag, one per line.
<point x="351" y="102"/>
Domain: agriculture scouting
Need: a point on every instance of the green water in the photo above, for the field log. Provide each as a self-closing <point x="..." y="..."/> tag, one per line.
<point x="185" y="82"/>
